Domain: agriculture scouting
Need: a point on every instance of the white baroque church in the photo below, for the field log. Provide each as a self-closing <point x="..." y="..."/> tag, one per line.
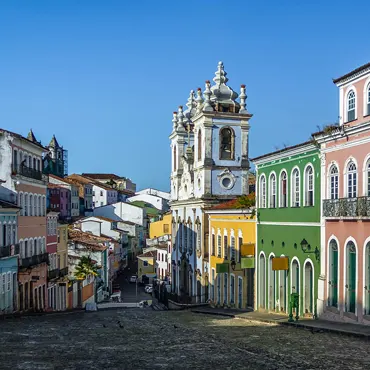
<point x="210" y="164"/>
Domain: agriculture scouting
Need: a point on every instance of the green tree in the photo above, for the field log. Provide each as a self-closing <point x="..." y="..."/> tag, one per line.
<point x="86" y="267"/>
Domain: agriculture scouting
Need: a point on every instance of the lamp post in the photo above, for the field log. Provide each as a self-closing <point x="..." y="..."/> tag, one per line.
<point x="306" y="248"/>
<point x="233" y="264"/>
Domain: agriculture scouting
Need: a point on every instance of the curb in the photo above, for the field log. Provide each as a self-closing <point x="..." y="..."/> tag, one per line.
<point x="314" y="329"/>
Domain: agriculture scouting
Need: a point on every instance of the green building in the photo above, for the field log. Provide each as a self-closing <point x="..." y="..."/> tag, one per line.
<point x="288" y="228"/>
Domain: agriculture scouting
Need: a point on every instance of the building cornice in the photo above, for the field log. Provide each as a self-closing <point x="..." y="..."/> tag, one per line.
<point x="351" y="76"/>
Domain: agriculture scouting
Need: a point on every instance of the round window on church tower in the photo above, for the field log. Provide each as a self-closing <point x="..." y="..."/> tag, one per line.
<point x="226" y="182"/>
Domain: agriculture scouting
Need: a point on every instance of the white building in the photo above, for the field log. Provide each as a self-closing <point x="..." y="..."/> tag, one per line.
<point x="209" y="146"/>
<point x="156" y="201"/>
<point x="157" y="193"/>
<point x="103" y="195"/>
<point x="75" y="199"/>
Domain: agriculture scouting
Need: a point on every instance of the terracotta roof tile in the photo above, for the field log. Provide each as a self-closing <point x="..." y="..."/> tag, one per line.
<point x="148" y="254"/>
<point x="231" y="204"/>
<point x="87" y="239"/>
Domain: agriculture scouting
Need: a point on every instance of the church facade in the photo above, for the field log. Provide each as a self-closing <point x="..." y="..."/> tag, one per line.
<point x="210" y="164"/>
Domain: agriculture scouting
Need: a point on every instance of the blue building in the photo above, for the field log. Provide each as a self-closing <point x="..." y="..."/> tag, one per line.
<point x="9" y="251"/>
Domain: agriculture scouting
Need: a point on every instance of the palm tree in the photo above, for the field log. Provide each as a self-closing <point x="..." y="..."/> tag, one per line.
<point x="86" y="267"/>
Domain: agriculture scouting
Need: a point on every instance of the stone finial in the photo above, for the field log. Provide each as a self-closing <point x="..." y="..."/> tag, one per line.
<point x="199" y="100"/>
<point x="220" y="75"/>
<point x="174" y="120"/>
<point x="207" y="107"/>
<point x="191" y="101"/>
<point x="180" y="119"/>
<point x="243" y="97"/>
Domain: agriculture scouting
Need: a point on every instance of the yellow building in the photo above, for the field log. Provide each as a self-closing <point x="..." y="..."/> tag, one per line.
<point x="146" y="264"/>
<point x="160" y="228"/>
<point x="62" y="265"/>
<point x="232" y="239"/>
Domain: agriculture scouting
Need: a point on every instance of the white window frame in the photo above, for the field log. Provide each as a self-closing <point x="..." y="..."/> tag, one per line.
<point x="272" y="190"/>
<point x="309" y="186"/>
<point x="351" y="104"/>
<point x="219" y="244"/>
<point x="295" y="188"/>
<point x="262" y="189"/>
<point x="281" y="196"/>
<point x="351" y="176"/>
<point x="333" y="183"/>
<point x="232" y="248"/>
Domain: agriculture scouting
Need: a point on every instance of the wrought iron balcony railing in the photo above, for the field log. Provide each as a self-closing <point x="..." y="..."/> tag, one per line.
<point x="52" y="274"/>
<point x="27" y="172"/>
<point x="63" y="271"/>
<point x="347" y="207"/>
<point x="9" y="250"/>
<point x="34" y="260"/>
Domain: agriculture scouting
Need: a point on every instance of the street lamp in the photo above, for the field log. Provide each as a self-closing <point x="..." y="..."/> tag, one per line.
<point x="233" y="264"/>
<point x="306" y="248"/>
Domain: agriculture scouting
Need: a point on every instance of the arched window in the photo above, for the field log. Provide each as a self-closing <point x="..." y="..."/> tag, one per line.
<point x="295" y="188"/>
<point x="226" y="143"/>
<point x="309" y="184"/>
<point x="352" y="180"/>
<point x="262" y="202"/>
<point x="351" y="278"/>
<point x="39" y="206"/>
<point x="283" y="189"/>
<point x="35" y="205"/>
<point x="368" y="99"/>
<point x="199" y="145"/>
<point x="272" y="191"/>
<point x="351" y="108"/>
<point x="30" y="205"/>
<point x="367" y="176"/>
<point x="26" y="204"/>
<point x="174" y="158"/>
<point x="334" y="182"/>
<point x="43" y="205"/>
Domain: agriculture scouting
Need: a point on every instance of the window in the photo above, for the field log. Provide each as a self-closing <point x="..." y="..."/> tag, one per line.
<point x="199" y="145"/>
<point x="213" y="245"/>
<point x="232" y="249"/>
<point x="295" y="188"/>
<point x="351" y="108"/>
<point x="368" y="99"/>
<point x="309" y="186"/>
<point x="368" y="178"/>
<point x="225" y="247"/>
<point x="272" y="191"/>
<point x="199" y="238"/>
<point x="334" y="182"/>
<point x="218" y="245"/>
<point x="26" y="204"/>
<point x="15" y="159"/>
<point x="30" y="205"/>
<point x="174" y="158"/>
<point x="166" y="228"/>
<point x="240" y="242"/>
<point x="263" y="191"/>
<point x="283" y="189"/>
<point x="35" y="205"/>
<point x="145" y="263"/>
<point x="352" y="180"/>
<point x="226" y="143"/>
<point x="101" y="193"/>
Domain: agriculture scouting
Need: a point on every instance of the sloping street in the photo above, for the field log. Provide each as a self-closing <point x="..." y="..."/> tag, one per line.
<point x="147" y="339"/>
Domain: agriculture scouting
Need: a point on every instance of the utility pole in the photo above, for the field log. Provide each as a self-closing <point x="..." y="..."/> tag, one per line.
<point x="136" y="292"/>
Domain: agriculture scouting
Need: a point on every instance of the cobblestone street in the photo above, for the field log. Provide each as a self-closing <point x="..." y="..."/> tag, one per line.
<point x="146" y="339"/>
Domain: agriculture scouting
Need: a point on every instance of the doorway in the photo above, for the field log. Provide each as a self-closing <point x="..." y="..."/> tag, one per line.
<point x="272" y="286"/>
<point x="262" y="281"/>
<point x="308" y="288"/>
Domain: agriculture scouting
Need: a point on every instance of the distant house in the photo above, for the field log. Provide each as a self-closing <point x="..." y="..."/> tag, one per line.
<point x="116" y="182"/>
<point x="154" y="200"/>
<point x="74" y="200"/>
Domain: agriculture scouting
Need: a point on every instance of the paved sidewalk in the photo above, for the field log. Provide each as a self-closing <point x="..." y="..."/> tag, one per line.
<point x="357" y="330"/>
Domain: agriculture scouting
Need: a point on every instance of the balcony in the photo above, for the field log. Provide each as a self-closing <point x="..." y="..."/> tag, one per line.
<point x="52" y="274"/>
<point x="347" y="208"/>
<point x="63" y="271"/>
<point x="34" y="260"/>
<point x="9" y="250"/>
<point x="27" y="172"/>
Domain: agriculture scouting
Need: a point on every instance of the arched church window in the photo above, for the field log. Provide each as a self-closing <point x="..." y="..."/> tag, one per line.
<point x="227" y="143"/>
<point x="199" y="145"/>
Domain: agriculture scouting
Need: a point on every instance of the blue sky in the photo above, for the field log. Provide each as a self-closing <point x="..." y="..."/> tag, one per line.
<point x="105" y="76"/>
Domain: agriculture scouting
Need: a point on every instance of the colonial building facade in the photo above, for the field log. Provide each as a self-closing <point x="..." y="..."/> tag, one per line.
<point x="288" y="228"/>
<point x="344" y="285"/>
<point x="209" y="146"/>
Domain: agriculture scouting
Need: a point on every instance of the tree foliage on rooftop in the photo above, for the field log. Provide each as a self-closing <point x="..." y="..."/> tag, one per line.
<point x="246" y="201"/>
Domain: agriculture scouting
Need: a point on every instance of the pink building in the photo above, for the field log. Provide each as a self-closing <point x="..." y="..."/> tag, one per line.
<point x="344" y="285"/>
<point x="22" y="169"/>
<point x="59" y="200"/>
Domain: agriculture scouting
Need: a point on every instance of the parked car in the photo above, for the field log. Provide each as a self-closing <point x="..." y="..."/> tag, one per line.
<point x="133" y="279"/>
